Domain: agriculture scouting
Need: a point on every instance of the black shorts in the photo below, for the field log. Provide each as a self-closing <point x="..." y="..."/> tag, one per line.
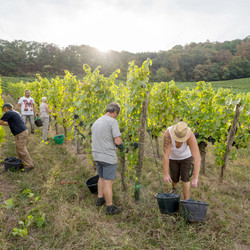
<point x="180" y="168"/>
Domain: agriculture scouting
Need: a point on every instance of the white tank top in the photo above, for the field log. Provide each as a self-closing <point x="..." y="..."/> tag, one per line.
<point x="179" y="153"/>
<point x="43" y="110"/>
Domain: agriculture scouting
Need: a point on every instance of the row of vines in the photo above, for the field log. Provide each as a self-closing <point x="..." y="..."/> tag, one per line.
<point x="76" y="104"/>
<point x="2" y="132"/>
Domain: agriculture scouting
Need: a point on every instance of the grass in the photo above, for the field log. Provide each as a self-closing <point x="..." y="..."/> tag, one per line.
<point x="14" y="79"/>
<point x="236" y="86"/>
<point x="73" y="222"/>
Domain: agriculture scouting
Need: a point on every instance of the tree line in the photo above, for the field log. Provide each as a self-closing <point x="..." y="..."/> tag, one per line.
<point x="208" y="61"/>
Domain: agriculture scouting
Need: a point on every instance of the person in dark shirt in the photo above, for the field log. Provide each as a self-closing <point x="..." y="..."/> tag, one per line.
<point x="13" y="119"/>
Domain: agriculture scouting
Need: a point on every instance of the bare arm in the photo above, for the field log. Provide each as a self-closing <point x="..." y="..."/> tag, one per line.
<point x="3" y="123"/>
<point x="17" y="106"/>
<point x="34" y="108"/>
<point x="193" y="145"/>
<point x="118" y="140"/>
<point x="166" y="152"/>
<point x="47" y="108"/>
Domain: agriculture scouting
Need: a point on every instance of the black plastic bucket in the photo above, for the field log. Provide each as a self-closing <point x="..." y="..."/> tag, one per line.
<point x="12" y="164"/>
<point x="168" y="203"/>
<point x="38" y="122"/>
<point x="91" y="183"/>
<point x="194" y="210"/>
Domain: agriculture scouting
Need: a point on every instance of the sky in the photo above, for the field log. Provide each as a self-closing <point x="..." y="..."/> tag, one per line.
<point x="124" y="25"/>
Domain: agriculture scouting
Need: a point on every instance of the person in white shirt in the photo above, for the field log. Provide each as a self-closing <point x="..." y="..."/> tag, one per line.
<point x="28" y="108"/>
<point x="181" y="151"/>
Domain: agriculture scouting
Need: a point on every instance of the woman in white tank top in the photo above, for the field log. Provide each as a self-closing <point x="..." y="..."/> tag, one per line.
<point x="180" y="153"/>
<point x="44" y="115"/>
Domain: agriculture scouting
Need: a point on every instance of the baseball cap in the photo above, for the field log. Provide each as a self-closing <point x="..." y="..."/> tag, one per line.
<point x="8" y="105"/>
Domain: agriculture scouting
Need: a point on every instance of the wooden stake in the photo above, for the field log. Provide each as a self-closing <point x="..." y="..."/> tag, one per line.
<point x="230" y="140"/>
<point x="142" y="133"/>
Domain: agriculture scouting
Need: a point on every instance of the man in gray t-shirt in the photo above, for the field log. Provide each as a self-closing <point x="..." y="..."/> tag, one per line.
<point x="105" y="135"/>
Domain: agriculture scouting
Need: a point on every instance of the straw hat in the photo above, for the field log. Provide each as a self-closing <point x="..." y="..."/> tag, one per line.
<point x="44" y="99"/>
<point x="180" y="132"/>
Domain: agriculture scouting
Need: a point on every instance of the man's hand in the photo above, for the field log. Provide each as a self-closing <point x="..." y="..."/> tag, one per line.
<point x="167" y="178"/>
<point x="3" y="123"/>
<point x="120" y="146"/>
<point x="118" y="140"/>
<point x="195" y="182"/>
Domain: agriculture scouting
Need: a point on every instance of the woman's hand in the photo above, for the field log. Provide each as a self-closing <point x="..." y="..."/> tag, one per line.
<point x="195" y="182"/>
<point x="167" y="178"/>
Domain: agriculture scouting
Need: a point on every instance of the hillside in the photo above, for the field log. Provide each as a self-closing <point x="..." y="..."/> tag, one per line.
<point x="69" y="219"/>
<point x="236" y="85"/>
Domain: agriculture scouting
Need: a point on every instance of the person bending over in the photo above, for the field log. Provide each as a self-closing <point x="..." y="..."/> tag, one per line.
<point x="13" y="119"/>
<point x="180" y="152"/>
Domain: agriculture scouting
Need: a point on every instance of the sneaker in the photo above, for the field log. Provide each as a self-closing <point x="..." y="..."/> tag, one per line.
<point x="111" y="210"/>
<point x="100" y="201"/>
<point x="26" y="169"/>
<point x="173" y="191"/>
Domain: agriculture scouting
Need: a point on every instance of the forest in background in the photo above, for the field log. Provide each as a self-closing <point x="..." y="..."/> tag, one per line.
<point x="209" y="61"/>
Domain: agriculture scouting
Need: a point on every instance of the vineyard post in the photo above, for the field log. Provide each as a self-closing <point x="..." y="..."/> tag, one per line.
<point x="202" y="147"/>
<point x="230" y="139"/>
<point x="141" y="148"/>
<point x="123" y="165"/>
<point x="56" y="125"/>
<point x="64" y="127"/>
<point x="75" y="136"/>
<point x="157" y="147"/>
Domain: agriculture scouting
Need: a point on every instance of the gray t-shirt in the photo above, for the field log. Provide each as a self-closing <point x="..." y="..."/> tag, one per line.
<point x="104" y="130"/>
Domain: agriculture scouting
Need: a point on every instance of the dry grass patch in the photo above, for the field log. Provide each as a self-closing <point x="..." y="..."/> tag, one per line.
<point x="73" y="222"/>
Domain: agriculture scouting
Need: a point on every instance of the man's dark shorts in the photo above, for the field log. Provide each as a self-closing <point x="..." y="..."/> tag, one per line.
<point x="180" y="168"/>
<point x="105" y="170"/>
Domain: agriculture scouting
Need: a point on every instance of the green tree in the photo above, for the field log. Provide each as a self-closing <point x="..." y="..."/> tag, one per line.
<point x="163" y="75"/>
<point x="239" y="67"/>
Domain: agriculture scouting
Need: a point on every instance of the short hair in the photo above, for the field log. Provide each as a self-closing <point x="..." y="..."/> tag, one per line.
<point x="8" y="105"/>
<point x="26" y="90"/>
<point x="112" y="107"/>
